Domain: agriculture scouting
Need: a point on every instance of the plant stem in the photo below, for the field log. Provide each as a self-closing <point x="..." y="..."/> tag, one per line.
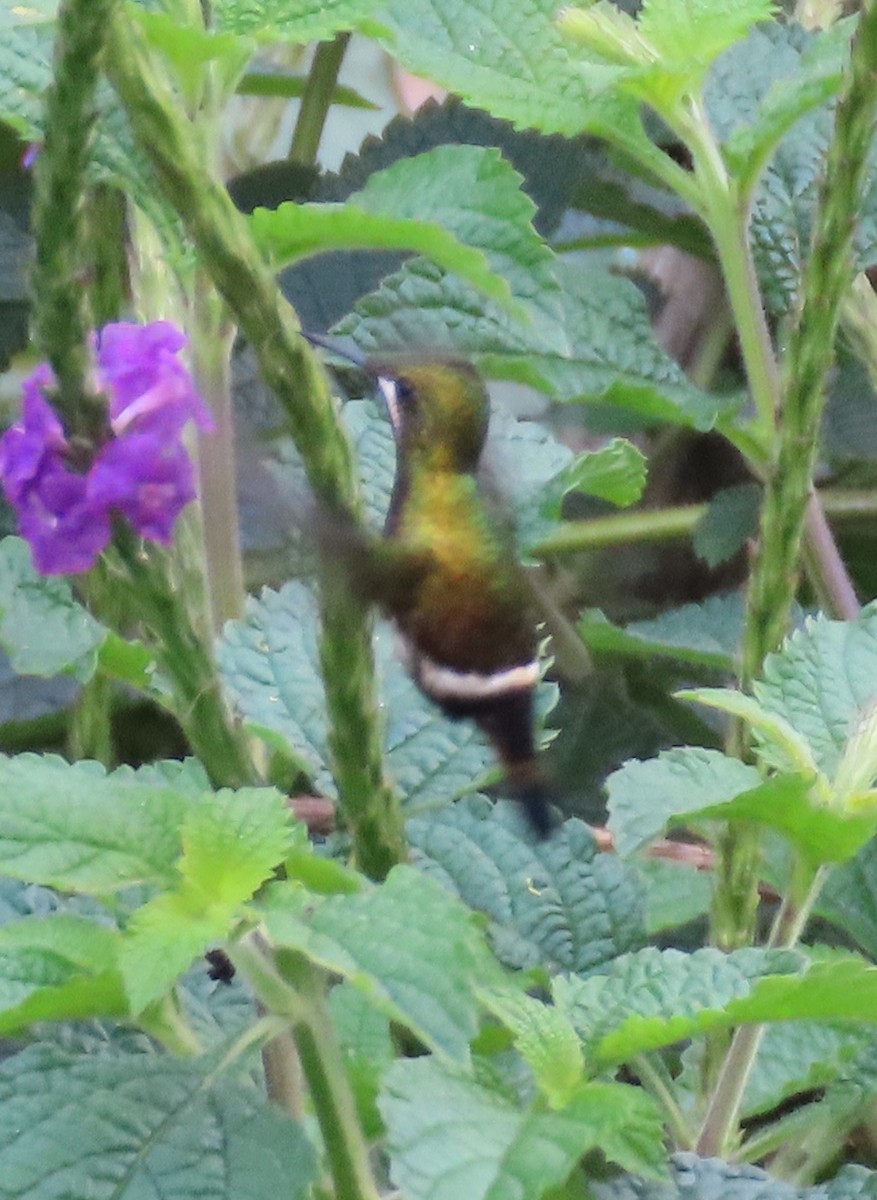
<point x="827" y="570"/>
<point x="294" y="374"/>
<point x="653" y="1079"/>
<point x="317" y="99"/>
<point x="293" y="987"/>
<point x="62" y="315"/>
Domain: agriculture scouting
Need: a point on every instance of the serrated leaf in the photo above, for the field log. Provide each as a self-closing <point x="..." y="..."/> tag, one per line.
<point x="675" y="893"/>
<point x="709" y="1178"/>
<point x="43" y="629"/>
<point x="462" y="206"/>
<point x="296" y="21"/>
<point x="699" y="29"/>
<point x="76" y="828"/>
<point x="545" y="1039"/>
<point x="559" y="904"/>
<point x="849" y="898"/>
<point x="655" y="997"/>
<point x="613" y="357"/>
<point x="59" y="967"/>
<point x="232" y="843"/>
<point x="431" y="1114"/>
<point x="120" y="1126"/>
<point x="191" y="48"/>
<point x="514" y="62"/>
<point x="644" y="796"/>
<point x="822" y="682"/>
<point x="730" y="520"/>
<point x="706" y="635"/>
<point x="409" y="946"/>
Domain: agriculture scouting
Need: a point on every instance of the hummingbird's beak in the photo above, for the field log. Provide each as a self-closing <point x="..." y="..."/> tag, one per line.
<point x="346" y="350"/>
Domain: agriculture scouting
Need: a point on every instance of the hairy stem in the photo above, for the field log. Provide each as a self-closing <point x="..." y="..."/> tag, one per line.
<point x="62" y="316"/>
<point x="293" y="373"/>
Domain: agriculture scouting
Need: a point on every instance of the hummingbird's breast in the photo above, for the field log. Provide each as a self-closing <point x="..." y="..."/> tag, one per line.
<point x="471" y="610"/>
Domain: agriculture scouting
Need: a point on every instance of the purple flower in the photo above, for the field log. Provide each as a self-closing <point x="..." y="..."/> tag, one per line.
<point x="142" y="472"/>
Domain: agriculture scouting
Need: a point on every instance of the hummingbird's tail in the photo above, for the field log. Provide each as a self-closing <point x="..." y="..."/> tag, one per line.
<point x="527" y="784"/>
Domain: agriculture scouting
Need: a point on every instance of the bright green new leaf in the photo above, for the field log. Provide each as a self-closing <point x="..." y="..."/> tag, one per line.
<point x="192" y="49"/>
<point x="145" y="1124"/>
<point x="699" y="29"/>
<point x="545" y="1039"/>
<point x="73" y="827"/>
<point x="432" y="1112"/>
<point x="413" y="949"/>
<point x="616" y="473"/>
<point x="43" y="629"/>
<point x="644" y="796"/>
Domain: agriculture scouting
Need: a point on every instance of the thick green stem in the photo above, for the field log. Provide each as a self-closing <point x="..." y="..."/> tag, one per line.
<point x="317" y="99"/>
<point x="291" y="986"/>
<point x="294" y="374"/>
<point x="62" y="311"/>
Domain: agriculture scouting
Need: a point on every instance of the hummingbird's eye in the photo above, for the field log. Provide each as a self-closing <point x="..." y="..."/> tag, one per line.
<point x="404" y="390"/>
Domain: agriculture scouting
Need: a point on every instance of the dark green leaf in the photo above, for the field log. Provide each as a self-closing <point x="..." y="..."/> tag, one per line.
<point x="730" y="520"/>
<point x="558" y="904"/>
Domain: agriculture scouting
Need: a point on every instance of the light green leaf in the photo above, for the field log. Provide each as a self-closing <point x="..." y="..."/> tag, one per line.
<point x="232" y="843"/>
<point x="780" y="745"/>
<point x="42" y="628"/>
<point x="682" y="30"/>
<point x="656" y="997"/>
<point x="675" y="893"/>
<point x="366" y="1038"/>
<point x="75" y="828"/>
<point x="431" y="1114"/>
<point x="616" y="473"/>
<point x="145" y="1124"/>
<point x="786" y="803"/>
<point x="849" y="898"/>
<point x="297" y="21"/>
<point x="409" y="946"/>
<point x="544" y="1038"/>
<point x="644" y="796"/>
<point x="559" y="904"/>
<point x="59" y="967"/>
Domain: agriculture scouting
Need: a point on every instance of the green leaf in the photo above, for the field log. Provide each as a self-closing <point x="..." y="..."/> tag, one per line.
<point x="780" y="745"/>
<point x="367" y="1041"/>
<point x="431" y="1113"/>
<point x="823" y="682"/>
<point x="849" y="898"/>
<point x="613" y="358"/>
<point x="190" y="49"/>
<point x="462" y="206"/>
<point x="558" y="903"/>
<point x="291" y="87"/>
<point x="709" y="1178"/>
<point x="656" y="997"/>
<point x="616" y="473"/>
<point x="59" y="967"/>
<point x="120" y="1126"/>
<point x="43" y="629"/>
<point x="644" y="796"/>
<point x="75" y="828"/>
<point x="545" y="1039"/>
<point x="297" y="21"/>
<point x="786" y="803"/>
<point x="409" y="946"/>
<point x="700" y="30"/>
<point x="514" y="62"/>
<point x="232" y="843"/>
<point x="703" y="635"/>
<point x="730" y="520"/>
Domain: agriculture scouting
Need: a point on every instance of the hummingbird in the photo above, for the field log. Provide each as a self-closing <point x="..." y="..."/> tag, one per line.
<point x="445" y="571"/>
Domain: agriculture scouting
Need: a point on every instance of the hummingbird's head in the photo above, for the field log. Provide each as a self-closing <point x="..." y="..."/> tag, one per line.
<point x="439" y="409"/>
